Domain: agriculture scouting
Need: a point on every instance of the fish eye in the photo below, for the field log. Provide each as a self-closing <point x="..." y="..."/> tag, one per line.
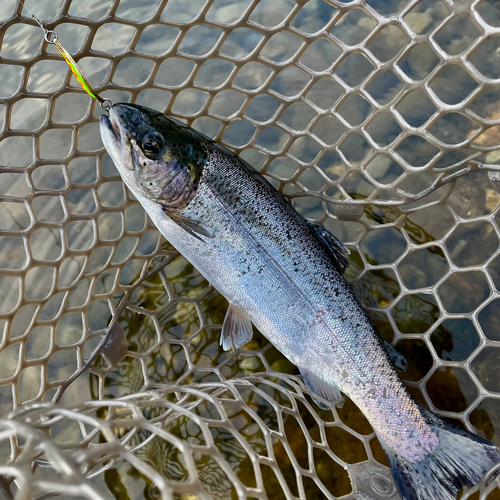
<point x="151" y="144"/>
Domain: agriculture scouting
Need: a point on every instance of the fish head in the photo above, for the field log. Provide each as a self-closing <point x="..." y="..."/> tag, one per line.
<point x="157" y="156"/>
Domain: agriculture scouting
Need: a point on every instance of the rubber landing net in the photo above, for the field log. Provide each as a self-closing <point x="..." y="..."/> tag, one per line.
<point x="366" y="114"/>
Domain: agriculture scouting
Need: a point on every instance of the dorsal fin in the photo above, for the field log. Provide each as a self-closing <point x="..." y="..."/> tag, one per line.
<point x="334" y="246"/>
<point x="398" y="360"/>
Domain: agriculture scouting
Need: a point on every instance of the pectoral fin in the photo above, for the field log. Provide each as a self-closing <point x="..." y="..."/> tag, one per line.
<point x="330" y="392"/>
<point x="193" y="227"/>
<point x="398" y="360"/>
<point x="334" y="246"/>
<point x="237" y="328"/>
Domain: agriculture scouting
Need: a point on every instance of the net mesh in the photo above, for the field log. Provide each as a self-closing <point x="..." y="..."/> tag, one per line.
<point x="366" y="114"/>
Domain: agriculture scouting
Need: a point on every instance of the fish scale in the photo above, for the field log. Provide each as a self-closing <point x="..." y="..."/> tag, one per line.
<point x="263" y="256"/>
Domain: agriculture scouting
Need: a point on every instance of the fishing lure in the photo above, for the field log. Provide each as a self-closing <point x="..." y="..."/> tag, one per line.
<point x="52" y="38"/>
<point x="105" y="103"/>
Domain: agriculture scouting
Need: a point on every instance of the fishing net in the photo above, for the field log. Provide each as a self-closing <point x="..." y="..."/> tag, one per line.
<point x="366" y="114"/>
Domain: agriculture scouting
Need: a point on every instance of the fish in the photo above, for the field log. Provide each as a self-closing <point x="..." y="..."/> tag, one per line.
<point x="284" y="275"/>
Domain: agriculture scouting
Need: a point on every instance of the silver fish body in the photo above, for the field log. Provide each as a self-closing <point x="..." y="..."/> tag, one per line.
<point x="259" y="253"/>
<point x="264" y="259"/>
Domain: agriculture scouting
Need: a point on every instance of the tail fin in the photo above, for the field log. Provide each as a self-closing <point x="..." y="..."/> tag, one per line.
<point x="461" y="459"/>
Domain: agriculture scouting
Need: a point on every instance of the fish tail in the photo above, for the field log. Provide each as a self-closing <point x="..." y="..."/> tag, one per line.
<point x="461" y="459"/>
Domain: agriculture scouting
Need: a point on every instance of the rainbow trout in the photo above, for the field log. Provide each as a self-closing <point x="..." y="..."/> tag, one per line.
<point x="284" y="275"/>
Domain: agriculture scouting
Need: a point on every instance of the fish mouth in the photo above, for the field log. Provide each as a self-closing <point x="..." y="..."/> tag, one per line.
<point x="110" y="128"/>
<point x="114" y="124"/>
<point x="112" y="137"/>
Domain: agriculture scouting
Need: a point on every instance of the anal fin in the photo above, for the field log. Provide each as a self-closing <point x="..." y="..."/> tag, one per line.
<point x="237" y="328"/>
<point x="330" y="392"/>
<point x="333" y="245"/>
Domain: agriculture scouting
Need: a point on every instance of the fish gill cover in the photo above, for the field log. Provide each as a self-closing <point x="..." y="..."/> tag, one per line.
<point x="340" y="105"/>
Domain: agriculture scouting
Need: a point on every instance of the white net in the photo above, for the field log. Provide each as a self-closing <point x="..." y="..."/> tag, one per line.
<point x="365" y="114"/>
